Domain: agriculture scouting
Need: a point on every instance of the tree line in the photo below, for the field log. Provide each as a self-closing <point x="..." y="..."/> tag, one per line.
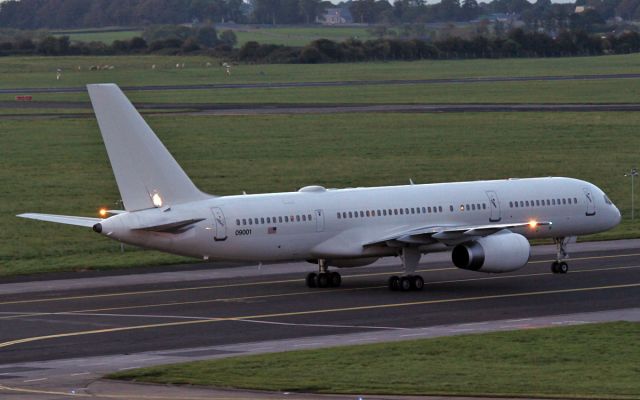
<point x="68" y="14"/>
<point x="517" y="43"/>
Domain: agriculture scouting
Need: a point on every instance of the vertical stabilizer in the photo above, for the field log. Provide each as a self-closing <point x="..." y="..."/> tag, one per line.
<point x="146" y="173"/>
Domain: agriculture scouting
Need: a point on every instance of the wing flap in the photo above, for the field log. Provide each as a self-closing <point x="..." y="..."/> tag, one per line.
<point x="62" y="219"/>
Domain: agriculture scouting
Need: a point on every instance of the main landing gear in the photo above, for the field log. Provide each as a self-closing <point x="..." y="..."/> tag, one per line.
<point x="324" y="278"/>
<point x="559" y="266"/>
<point x="410" y="258"/>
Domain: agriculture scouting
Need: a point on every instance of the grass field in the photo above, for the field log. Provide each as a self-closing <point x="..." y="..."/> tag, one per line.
<point x="60" y="166"/>
<point x="299" y="36"/>
<point x="588" y="361"/>
<point x="289" y="36"/>
<point x="104" y="36"/>
<point x="136" y="71"/>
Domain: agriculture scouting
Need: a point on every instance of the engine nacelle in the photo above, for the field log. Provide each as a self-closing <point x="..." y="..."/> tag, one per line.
<point x="500" y="252"/>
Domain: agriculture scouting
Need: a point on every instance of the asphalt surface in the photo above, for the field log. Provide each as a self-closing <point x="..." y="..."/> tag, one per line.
<point x="270" y="108"/>
<point x="65" y="333"/>
<point x="331" y="84"/>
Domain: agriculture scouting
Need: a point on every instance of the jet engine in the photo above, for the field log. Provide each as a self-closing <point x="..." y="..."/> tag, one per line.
<point x="500" y="252"/>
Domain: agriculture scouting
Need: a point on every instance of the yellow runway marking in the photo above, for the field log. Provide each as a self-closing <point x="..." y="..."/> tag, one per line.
<point x="311" y="312"/>
<point x="231" y="299"/>
<point x="136" y="293"/>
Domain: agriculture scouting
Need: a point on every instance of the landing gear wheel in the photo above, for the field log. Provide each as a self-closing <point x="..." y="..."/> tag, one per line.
<point x="417" y="283"/>
<point x="563" y="268"/>
<point x="312" y="280"/>
<point x="335" y="279"/>
<point x="323" y="280"/>
<point x="406" y="283"/>
<point x="559" y="267"/>
<point x="394" y="283"/>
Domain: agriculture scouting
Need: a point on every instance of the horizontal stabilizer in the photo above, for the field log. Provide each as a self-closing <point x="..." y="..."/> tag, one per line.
<point x="171" y="227"/>
<point x="63" y="219"/>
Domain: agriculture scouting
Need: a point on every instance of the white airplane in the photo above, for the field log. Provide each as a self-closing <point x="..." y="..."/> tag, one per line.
<point x="486" y="224"/>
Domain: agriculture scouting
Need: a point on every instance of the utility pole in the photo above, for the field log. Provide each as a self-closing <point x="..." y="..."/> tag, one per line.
<point x="633" y="173"/>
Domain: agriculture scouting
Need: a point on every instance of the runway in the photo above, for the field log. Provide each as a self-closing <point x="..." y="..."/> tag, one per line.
<point x="64" y="333"/>
<point x="259" y="85"/>
<point x="273" y="108"/>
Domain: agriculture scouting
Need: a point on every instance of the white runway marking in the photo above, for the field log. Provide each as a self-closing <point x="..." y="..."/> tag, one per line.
<point x="35" y="380"/>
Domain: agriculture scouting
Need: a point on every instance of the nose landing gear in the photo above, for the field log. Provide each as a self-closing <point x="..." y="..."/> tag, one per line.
<point x="559" y="266"/>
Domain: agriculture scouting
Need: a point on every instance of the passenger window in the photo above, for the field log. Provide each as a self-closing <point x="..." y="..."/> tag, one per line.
<point x="473" y="207"/>
<point x="575" y="200"/>
<point x="406" y="211"/>
<point x="564" y="201"/>
<point x="238" y="222"/>
<point x="484" y="206"/>
<point x="521" y="203"/>
<point x="511" y="204"/>
<point x="304" y="217"/>
<point x="384" y="212"/>
<point x="350" y="214"/>
<point x="255" y="220"/>
<point x="367" y="213"/>
<point x="450" y="208"/>
<point x="395" y="211"/>
<point x="538" y="203"/>
<point x="526" y="203"/>
<point x="413" y="210"/>
<point x="440" y="208"/>
<point x="297" y="218"/>
<point x="362" y="214"/>
<point x="309" y="217"/>
<point x="268" y="220"/>
<point x="379" y="213"/>
<point x="429" y="210"/>
<point x="401" y="211"/>
<point x="424" y="210"/>
<point x="516" y="204"/>
<point x="250" y="221"/>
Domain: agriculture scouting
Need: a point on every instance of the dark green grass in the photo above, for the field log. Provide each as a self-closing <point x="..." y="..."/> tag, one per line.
<point x="60" y="166"/>
<point x="136" y="70"/>
<point x="588" y="361"/>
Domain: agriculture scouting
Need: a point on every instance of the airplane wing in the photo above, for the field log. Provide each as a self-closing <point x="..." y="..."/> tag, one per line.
<point x="449" y="234"/>
<point x="63" y="219"/>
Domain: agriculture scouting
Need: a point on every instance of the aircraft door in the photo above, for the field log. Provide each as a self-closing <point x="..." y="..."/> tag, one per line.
<point x="494" y="205"/>
<point x="591" y="205"/>
<point x="220" y="224"/>
<point x="319" y="221"/>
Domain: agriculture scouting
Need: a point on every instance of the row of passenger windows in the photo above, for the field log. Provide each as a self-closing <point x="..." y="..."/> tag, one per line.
<point x="274" y="220"/>
<point x="388" y="211"/>
<point x="542" y="203"/>
<point x="403" y="211"/>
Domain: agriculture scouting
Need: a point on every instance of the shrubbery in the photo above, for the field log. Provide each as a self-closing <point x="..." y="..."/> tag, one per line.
<point x="205" y="41"/>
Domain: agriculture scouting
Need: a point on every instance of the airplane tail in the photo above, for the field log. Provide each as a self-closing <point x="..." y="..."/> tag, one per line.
<point x="146" y="173"/>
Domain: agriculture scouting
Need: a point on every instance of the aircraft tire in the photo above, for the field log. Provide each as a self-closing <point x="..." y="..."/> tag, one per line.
<point x="563" y="267"/>
<point x="417" y="283"/>
<point x="406" y="283"/>
<point x="323" y="280"/>
<point x="554" y="267"/>
<point x="335" y="279"/>
<point x="311" y="280"/>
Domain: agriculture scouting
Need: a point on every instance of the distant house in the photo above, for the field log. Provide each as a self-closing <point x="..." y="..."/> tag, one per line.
<point x="336" y="16"/>
<point x="581" y="9"/>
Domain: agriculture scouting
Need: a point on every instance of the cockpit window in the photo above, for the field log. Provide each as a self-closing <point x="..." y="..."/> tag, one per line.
<point x="606" y="200"/>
